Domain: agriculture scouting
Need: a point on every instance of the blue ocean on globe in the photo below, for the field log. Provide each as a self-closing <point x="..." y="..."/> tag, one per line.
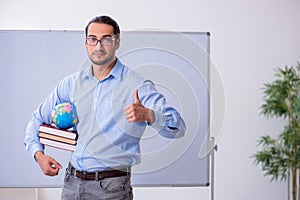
<point x="64" y="115"/>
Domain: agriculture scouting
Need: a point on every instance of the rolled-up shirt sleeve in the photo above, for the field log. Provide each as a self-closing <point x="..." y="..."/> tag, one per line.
<point x="31" y="141"/>
<point x="169" y="124"/>
<point x="40" y="116"/>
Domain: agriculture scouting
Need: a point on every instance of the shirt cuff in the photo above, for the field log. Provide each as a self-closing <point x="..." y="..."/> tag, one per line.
<point x="159" y="120"/>
<point x="35" y="148"/>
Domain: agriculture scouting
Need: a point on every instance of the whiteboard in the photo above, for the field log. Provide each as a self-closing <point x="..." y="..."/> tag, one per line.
<point x="32" y="63"/>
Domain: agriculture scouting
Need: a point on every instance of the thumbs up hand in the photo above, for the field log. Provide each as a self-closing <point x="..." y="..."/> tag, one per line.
<point x="136" y="112"/>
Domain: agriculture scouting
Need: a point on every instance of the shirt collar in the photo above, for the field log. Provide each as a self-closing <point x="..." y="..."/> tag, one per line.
<point x="116" y="71"/>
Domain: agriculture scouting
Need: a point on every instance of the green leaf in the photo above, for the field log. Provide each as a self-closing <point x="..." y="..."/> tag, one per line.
<point x="281" y="98"/>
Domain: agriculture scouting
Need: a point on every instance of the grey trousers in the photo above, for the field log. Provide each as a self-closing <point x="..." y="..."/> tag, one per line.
<point x="118" y="188"/>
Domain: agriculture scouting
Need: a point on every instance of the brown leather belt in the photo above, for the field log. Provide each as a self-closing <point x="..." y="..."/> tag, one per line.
<point x="100" y="175"/>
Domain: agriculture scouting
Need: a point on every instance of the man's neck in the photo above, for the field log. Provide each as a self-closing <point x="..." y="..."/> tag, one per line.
<point x="101" y="71"/>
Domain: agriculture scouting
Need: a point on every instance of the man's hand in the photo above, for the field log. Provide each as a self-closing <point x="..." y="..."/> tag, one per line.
<point x="48" y="164"/>
<point x="136" y="112"/>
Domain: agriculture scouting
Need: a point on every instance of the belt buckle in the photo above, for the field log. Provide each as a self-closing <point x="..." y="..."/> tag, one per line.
<point x="96" y="176"/>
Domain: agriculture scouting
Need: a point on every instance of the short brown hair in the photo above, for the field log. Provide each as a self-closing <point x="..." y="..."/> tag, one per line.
<point x="105" y="20"/>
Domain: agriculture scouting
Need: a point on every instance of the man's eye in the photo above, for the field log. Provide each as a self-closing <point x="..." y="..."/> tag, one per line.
<point x="93" y="39"/>
<point x="105" y="40"/>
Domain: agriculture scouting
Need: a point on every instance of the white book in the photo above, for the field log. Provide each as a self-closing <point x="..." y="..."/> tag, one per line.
<point x="56" y="144"/>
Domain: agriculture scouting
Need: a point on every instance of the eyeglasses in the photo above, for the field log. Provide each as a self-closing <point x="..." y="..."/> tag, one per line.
<point x="106" y="41"/>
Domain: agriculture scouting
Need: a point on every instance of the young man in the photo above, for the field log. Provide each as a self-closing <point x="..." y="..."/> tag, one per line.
<point x="114" y="105"/>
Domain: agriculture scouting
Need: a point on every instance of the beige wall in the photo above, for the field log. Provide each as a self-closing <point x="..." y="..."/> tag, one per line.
<point x="248" y="40"/>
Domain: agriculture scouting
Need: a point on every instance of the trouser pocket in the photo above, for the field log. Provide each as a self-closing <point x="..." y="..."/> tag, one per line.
<point x="113" y="184"/>
<point x="67" y="175"/>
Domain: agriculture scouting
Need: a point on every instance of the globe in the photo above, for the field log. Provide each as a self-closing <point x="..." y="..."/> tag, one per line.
<point x="64" y="115"/>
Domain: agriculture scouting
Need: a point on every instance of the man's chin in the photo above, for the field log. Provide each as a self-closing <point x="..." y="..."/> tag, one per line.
<point x="99" y="62"/>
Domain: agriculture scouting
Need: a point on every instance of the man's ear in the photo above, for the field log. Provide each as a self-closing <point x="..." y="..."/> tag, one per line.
<point x="118" y="43"/>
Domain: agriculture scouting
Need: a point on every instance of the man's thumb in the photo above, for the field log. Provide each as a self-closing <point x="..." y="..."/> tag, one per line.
<point x="136" y="97"/>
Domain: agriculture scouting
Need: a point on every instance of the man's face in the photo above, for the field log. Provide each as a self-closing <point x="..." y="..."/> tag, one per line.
<point x="100" y="54"/>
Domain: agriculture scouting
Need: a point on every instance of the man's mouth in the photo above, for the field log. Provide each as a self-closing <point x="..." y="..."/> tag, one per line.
<point x="99" y="53"/>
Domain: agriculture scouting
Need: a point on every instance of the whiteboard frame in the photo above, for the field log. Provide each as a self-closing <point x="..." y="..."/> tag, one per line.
<point x="53" y="151"/>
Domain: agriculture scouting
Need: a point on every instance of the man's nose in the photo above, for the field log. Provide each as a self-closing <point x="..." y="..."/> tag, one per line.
<point x="99" y="45"/>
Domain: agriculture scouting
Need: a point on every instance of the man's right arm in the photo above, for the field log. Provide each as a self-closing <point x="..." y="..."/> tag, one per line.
<point x="41" y="115"/>
<point x="48" y="165"/>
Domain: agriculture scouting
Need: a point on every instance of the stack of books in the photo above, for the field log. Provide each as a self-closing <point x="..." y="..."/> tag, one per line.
<point x="52" y="136"/>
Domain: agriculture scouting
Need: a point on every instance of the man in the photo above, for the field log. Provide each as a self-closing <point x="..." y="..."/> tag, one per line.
<point x="114" y="105"/>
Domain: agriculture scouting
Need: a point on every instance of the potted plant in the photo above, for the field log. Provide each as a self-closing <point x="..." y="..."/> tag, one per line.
<point x="280" y="157"/>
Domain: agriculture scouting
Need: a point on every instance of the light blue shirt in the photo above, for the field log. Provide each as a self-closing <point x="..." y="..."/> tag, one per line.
<point x="106" y="139"/>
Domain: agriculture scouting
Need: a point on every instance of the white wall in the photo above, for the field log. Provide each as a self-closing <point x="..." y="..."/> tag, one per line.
<point x="248" y="40"/>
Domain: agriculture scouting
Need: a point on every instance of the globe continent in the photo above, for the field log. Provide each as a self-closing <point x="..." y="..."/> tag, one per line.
<point x="64" y="115"/>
